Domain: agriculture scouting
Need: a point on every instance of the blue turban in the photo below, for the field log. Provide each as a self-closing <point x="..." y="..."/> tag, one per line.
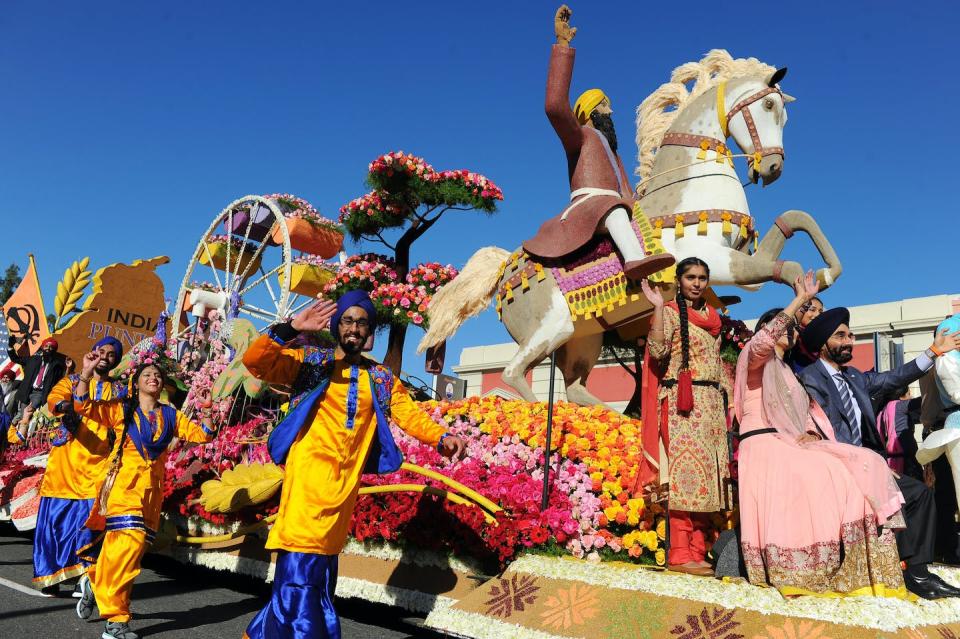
<point x="111" y="341"/>
<point x="347" y="300"/>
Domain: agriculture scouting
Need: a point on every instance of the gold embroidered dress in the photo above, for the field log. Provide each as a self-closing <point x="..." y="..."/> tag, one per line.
<point x="696" y="460"/>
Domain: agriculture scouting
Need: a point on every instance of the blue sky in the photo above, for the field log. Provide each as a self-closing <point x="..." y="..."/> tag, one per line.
<point x="125" y="127"/>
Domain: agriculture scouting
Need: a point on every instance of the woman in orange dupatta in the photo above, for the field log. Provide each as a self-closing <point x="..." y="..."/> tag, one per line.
<point x="684" y="412"/>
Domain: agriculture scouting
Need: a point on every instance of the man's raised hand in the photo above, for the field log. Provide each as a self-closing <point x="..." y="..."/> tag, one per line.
<point x="315" y="317"/>
<point x="89" y="364"/>
<point x="946" y="342"/>
<point x="561" y="26"/>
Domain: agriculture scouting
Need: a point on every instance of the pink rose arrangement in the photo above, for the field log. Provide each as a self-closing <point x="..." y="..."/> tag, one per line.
<point x="297" y="208"/>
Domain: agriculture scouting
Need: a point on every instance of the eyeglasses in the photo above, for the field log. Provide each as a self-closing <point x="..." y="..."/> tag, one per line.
<point x="349" y="322"/>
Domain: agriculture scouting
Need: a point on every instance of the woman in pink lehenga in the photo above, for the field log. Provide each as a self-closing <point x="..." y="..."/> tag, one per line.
<point x="816" y="516"/>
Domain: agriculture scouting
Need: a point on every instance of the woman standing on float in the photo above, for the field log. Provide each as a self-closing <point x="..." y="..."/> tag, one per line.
<point x="685" y="393"/>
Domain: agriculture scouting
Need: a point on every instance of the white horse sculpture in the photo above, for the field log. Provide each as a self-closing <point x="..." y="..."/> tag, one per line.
<point x="696" y="205"/>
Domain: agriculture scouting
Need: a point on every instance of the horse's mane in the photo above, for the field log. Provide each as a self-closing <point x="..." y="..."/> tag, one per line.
<point x="659" y="110"/>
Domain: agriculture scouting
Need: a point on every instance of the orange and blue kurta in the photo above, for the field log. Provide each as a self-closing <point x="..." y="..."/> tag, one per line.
<point x="77" y="459"/>
<point x="337" y="429"/>
<point x="133" y="507"/>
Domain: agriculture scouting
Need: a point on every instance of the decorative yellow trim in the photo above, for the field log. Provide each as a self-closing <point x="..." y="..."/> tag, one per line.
<point x="878" y="590"/>
<point x="704" y="146"/>
<point x="678" y="227"/>
<point x="722" y="109"/>
<point x="452" y="483"/>
<point x="757" y="158"/>
<point x="721" y="153"/>
<point x="726" y="216"/>
<point x="61" y="575"/>
<point x="702" y="224"/>
<point x="430" y="490"/>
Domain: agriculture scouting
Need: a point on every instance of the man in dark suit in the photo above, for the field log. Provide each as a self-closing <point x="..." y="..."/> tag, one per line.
<point x="846" y="393"/>
<point x="41" y="371"/>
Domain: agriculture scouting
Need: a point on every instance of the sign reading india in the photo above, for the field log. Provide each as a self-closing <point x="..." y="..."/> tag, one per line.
<point x="125" y="303"/>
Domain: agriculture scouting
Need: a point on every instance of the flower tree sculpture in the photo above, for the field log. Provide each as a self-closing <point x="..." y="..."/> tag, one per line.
<point x="410" y="196"/>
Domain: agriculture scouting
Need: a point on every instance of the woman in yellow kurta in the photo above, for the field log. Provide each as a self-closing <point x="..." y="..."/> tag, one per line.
<point x="337" y="429"/>
<point x="128" y="504"/>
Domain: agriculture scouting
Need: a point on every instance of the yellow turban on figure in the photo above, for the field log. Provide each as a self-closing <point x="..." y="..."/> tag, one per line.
<point x="587" y="102"/>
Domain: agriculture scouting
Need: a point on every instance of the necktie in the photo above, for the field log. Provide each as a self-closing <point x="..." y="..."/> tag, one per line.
<point x="846" y="399"/>
<point x="38" y="381"/>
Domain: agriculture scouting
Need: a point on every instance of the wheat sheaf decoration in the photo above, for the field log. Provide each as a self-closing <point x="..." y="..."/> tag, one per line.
<point x="70" y="289"/>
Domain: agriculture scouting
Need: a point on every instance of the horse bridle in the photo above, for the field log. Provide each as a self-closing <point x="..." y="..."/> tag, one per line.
<point x="704" y="143"/>
<point x="759" y="151"/>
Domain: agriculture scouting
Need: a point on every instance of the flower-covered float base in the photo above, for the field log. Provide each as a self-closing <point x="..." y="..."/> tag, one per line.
<point x="547" y="597"/>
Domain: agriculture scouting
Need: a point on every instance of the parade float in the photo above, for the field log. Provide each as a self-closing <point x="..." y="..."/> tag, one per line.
<point x="537" y="532"/>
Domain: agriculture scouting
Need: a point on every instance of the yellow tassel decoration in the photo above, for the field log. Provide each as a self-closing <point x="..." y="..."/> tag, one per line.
<point x="658" y="229"/>
<point x="704" y="147"/>
<point x="721" y="153"/>
<point x="757" y="158"/>
<point x="524" y="281"/>
<point x="678" y="227"/>
<point x="509" y="293"/>
<point x="702" y="224"/>
<point x="744" y="230"/>
<point x="726" y="217"/>
<point x="540" y="274"/>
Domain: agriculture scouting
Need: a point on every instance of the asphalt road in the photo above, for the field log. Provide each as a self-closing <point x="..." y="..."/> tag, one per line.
<point x="169" y="600"/>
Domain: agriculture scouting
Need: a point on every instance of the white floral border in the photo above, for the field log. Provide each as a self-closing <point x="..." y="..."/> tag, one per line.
<point x="222" y="561"/>
<point x="877" y="613"/>
<point x="471" y="624"/>
<point x="415" y="556"/>
<point x="412" y="600"/>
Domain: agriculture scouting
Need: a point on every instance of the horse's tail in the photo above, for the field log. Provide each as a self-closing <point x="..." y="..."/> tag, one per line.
<point x="465" y="296"/>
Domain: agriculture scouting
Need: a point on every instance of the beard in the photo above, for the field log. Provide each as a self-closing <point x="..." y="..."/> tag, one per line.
<point x="840" y="355"/>
<point x="603" y="123"/>
<point x="350" y="349"/>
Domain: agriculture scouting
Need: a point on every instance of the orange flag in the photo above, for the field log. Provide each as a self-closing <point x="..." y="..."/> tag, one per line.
<point x="24" y="314"/>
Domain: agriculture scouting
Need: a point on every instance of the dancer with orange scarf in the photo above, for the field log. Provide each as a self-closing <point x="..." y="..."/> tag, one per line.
<point x="685" y="396"/>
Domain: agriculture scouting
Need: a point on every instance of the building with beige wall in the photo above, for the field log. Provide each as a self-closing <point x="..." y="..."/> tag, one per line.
<point x="899" y="326"/>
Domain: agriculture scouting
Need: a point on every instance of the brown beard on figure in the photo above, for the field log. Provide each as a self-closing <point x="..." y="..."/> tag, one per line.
<point x="603" y="123"/>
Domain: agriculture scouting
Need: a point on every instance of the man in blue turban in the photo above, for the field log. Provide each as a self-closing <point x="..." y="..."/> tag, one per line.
<point x="78" y="460"/>
<point x="337" y="428"/>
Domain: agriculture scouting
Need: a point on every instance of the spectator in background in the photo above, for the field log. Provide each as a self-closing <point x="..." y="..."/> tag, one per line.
<point x="941" y="445"/>
<point x="8" y="391"/>
<point x="845" y="394"/>
<point x="895" y="425"/>
<point x="41" y="371"/>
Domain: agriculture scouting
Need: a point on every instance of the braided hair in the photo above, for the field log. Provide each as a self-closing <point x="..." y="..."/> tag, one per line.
<point x="682" y="267"/>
